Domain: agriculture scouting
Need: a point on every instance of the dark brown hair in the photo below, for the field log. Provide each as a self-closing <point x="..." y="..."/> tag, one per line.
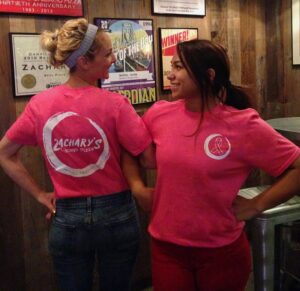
<point x="198" y="56"/>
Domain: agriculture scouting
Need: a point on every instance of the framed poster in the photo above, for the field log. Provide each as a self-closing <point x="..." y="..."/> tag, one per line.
<point x="133" y="73"/>
<point x="47" y="7"/>
<point x="179" y="7"/>
<point x="31" y="71"/>
<point x="168" y="39"/>
<point x="296" y="31"/>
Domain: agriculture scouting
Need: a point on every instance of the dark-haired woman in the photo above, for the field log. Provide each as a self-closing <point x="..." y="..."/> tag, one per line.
<point x="207" y="141"/>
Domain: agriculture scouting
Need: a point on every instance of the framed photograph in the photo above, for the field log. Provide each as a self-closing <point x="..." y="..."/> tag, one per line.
<point x="179" y="7"/>
<point x="296" y="31"/>
<point x="46" y="7"/>
<point x="168" y="39"/>
<point x="31" y="71"/>
<point x="133" y="73"/>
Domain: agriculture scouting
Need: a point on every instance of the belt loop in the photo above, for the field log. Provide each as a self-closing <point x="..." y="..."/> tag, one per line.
<point x="89" y="204"/>
<point x="88" y="218"/>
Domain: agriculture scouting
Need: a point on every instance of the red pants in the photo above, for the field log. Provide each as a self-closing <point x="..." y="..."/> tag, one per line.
<point x="179" y="268"/>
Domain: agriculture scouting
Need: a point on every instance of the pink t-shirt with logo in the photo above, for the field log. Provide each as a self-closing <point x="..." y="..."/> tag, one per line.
<point x="199" y="175"/>
<point x="81" y="132"/>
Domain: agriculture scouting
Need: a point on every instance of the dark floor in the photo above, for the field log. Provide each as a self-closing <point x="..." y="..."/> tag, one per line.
<point x="249" y="287"/>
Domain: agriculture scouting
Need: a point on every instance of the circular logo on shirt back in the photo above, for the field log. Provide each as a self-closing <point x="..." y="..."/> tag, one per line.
<point x="75" y="145"/>
<point x="217" y="146"/>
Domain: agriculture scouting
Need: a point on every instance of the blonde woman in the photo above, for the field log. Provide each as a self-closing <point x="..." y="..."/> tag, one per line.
<point x="81" y="130"/>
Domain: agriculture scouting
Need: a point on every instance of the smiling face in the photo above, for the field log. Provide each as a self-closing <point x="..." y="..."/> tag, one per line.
<point x="182" y="85"/>
<point x="103" y="58"/>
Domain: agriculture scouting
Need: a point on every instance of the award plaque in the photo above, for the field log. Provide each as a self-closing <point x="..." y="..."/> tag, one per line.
<point x="31" y="71"/>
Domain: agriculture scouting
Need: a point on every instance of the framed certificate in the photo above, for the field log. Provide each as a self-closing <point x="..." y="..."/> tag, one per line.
<point x="168" y="39"/>
<point x="31" y="71"/>
<point x="296" y="31"/>
<point x="179" y="7"/>
<point x="133" y="73"/>
<point x="45" y="7"/>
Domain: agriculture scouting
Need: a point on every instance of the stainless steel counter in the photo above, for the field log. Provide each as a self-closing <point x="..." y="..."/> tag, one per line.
<point x="263" y="232"/>
<point x="263" y="228"/>
<point x="287" y="126"/>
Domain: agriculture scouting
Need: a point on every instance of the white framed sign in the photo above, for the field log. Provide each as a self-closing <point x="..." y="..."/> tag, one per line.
<point x="179" y="7"/>
<point x="31" y="71"/>
<point x="296" y="31"/>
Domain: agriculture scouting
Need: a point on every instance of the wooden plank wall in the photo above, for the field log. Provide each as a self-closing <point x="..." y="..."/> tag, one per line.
<point x="257" y="34"/>
<point x="282" y="80"/>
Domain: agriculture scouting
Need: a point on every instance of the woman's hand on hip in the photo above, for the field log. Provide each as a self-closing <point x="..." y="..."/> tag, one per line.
<point x="48" y="200"/>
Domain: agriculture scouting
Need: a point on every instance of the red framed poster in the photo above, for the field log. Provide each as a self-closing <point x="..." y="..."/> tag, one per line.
<point x="47" y="7"/>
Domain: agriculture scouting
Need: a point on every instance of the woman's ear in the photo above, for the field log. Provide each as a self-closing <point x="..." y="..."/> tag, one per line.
<point x="82" y="62"/>
<point x="211" y="74"/>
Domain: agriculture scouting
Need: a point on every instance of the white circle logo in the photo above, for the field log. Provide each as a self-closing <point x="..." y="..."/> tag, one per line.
<point x="96" y="144"/>
<point x="217" y="146"/>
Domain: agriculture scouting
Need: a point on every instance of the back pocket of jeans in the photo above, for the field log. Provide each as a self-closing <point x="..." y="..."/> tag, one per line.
<point x="62" y="236"/>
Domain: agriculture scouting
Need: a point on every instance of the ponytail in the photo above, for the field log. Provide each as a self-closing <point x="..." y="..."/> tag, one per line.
<point x="237" y="97"/>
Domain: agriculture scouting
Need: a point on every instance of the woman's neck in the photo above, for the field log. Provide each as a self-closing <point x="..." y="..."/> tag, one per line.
<point x="76" y="80"/>
<point x="195" y="104"/>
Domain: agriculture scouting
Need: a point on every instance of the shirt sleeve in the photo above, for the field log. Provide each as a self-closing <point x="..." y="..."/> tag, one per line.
<point x="131" y="130"/>
<point x="151" y="114"/>
<point x="23" y="130"/>
<point x="147" y="120"/>
<point x="266" y="149"/>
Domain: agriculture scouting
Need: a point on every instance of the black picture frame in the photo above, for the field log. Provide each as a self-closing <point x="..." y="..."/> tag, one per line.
<point x="133" y="74"/>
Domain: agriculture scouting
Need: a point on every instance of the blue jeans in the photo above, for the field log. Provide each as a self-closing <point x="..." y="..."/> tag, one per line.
<point x="105" y="227"/>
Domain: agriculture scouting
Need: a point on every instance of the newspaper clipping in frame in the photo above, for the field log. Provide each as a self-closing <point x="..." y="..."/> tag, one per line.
<point x="133" y="73"/>
<point x="169" y="37"/>
<point x="31" y="69"/>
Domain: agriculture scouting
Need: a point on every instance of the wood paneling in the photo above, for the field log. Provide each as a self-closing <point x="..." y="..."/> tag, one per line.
<point x="257" y="34"/>
<point x="12" y="269"/>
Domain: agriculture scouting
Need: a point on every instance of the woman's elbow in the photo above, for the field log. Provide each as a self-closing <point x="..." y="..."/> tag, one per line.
<point x="148" y="158"/>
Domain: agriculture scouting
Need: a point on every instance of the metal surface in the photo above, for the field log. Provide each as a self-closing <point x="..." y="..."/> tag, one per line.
<point x="287" y="126"/>
<point x="262" y="229"/>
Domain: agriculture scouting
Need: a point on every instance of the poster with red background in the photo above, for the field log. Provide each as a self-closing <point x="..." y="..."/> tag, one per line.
<point x="169" y="37"/>
<point x="47" y="7"/>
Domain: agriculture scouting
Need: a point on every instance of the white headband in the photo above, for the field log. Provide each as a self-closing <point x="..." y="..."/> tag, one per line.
<point x="84" y="46"/>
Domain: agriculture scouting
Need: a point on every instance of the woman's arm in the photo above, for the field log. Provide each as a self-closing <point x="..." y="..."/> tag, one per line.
<point x="148" y="158"/>
<point x="132" y="174"/>
<point x="287" y="186"/>
<point x="11" y="164"/>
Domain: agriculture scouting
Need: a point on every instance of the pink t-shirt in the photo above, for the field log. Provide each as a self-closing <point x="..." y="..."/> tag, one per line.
<point x="81" y="132"/>
<point x="199" y="175"/>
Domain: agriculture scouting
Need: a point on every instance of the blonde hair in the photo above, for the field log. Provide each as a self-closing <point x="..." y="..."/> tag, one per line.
<point x="65" y="40"/>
